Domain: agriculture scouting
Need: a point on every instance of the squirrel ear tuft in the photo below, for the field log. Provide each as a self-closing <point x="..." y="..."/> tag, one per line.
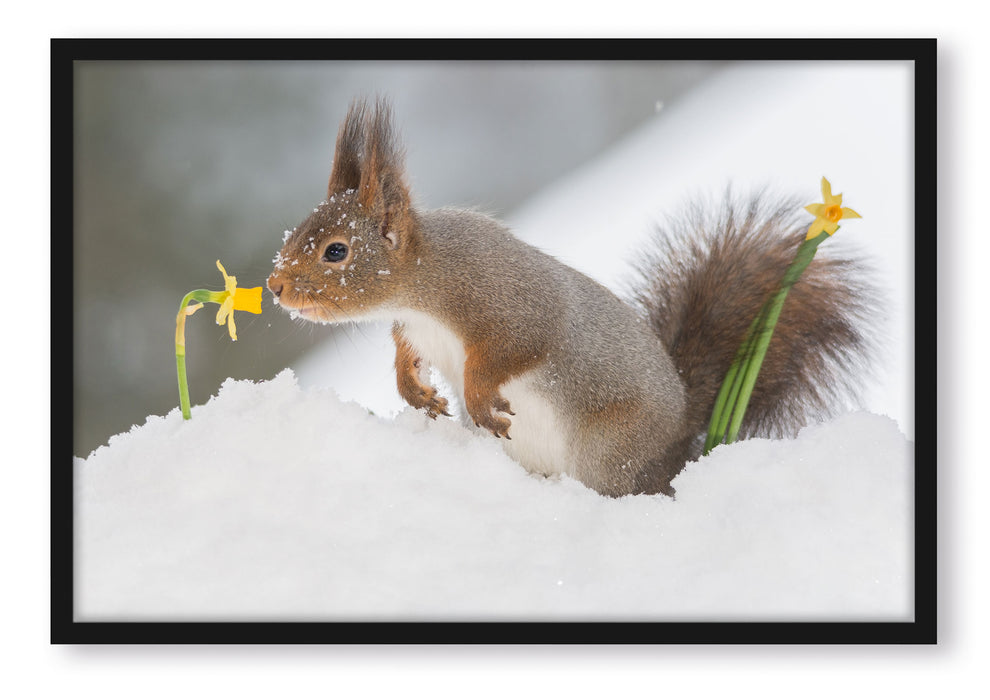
<point x="382" y="188"/>
<point x="346" y="171"/>
<point x="368" y="160"/>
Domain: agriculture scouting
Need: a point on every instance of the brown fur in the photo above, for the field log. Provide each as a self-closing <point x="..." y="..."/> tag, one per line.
<point x="346" y="172"/>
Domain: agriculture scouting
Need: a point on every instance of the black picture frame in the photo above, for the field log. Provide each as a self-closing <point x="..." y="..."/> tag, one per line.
<point x="922" y="52"/>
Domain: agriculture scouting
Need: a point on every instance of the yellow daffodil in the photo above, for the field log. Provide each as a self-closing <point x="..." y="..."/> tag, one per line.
<point x="231" y="299"/>
<point x="235" y="299"/>
<point x="829" y="213"/>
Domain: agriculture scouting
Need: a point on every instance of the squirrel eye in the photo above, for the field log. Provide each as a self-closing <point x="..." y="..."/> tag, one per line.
<point x="335" y="252"/>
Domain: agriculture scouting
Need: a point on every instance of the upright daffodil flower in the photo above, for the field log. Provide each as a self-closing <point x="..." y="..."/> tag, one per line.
<point x="231" y="299"/>
<point x="829" y="213"/>
<point x="733" y="398"/>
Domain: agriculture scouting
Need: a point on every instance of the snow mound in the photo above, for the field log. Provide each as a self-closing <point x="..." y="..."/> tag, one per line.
<point x="276" y="502"/>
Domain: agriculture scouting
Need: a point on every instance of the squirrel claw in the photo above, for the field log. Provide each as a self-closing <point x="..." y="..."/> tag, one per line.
<point x="497" y="426"/>
<point x="501" y="405"/>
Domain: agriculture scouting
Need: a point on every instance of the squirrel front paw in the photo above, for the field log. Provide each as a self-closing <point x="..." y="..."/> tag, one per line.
<point x="408" y="371"/>
<point x="427" y="398"/>
<point x="484" y="416"/>
<point x="435" y="405"/>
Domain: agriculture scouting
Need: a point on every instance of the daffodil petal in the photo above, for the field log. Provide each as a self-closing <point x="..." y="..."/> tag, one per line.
<point x="229" y="282"/>
<point x="231" y="327"/>
<point x="225" y="309"/>
<point x="848" y="213"/>
<point x="248" y="300"/>
<point x="815" y="209"/>
<point x="817" y="226"/>
<point x="826" y="193"/>
<point x="830" y="227"/>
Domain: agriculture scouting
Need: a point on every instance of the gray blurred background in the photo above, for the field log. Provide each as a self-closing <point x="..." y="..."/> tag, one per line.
<point x="178" y="164"/>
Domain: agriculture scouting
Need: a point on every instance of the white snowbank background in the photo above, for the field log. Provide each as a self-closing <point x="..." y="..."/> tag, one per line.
<point x="325" y="499"/>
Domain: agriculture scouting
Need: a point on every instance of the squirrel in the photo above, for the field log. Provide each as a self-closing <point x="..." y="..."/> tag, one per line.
<point x="616" y="394"/>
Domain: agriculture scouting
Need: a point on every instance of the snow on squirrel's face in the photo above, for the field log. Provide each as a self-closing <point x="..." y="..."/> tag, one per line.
<point x="336" y="265"/>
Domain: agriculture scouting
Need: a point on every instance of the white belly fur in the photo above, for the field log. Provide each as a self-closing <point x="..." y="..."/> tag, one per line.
<point x="539" y="437"/>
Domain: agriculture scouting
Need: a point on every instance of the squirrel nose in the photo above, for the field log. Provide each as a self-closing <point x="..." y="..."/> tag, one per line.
<point x="275" y="285"/>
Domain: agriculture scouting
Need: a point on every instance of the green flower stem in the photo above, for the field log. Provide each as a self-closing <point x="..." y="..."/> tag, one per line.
<point x="733" y="397"/>
<point x="180" y="365"/>
<point x="198" y="295"/>
<point x="729" y="393"/>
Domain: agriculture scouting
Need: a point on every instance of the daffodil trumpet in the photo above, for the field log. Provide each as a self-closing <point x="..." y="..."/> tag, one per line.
<point x="733" y="397"/>
<point x="232" y="298"/>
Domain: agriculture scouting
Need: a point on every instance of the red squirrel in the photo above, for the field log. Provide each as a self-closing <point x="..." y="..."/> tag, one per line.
<point x="573" y="379"/>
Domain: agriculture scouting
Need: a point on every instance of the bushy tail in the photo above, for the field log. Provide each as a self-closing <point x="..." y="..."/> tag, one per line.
<point x="707" y="277"/>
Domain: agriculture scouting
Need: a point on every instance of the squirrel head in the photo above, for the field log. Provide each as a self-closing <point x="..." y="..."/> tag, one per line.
<point x="343" y="262"/>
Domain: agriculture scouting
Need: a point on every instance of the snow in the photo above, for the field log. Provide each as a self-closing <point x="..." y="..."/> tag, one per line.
<point x="277" y="502"/>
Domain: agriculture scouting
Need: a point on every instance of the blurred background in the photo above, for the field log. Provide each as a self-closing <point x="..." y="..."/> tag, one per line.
<point x="178" y="164"/>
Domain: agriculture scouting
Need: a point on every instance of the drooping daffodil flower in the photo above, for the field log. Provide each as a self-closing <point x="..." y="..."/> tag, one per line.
<point x="231" y="299"/>
<point x="235" y="299"/>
